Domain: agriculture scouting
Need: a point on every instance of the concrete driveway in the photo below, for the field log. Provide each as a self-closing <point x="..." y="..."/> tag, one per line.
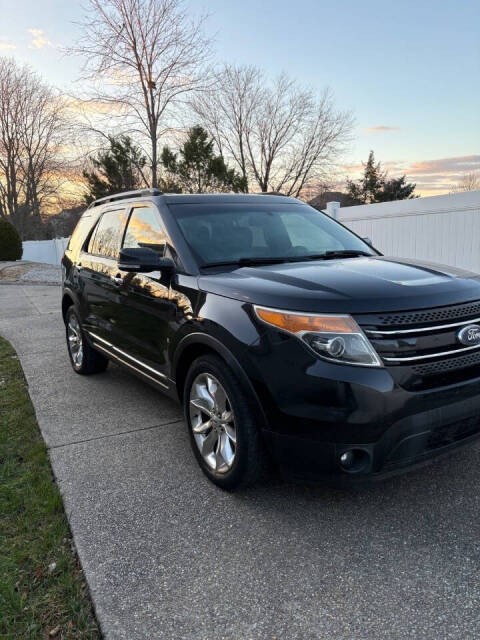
<point x="168" y="555"/>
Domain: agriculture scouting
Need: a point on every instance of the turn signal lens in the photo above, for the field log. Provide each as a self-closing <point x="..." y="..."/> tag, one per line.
<point x="296" y="323"/>
<point x="335" y="338"/>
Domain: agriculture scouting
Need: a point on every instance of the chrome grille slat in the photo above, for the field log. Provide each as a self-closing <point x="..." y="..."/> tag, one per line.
<point x="433" y="341"/>
<point x="390" y="332"/>
<point x="442" y="354"/>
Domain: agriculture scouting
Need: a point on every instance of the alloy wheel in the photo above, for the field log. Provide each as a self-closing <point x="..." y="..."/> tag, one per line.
<point x="212" y="422"/>
<point x="75" y="342"/>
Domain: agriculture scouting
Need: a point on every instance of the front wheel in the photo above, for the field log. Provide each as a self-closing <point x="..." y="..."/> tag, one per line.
<point x="84" y="358"/>
<point x="223" y="431"/>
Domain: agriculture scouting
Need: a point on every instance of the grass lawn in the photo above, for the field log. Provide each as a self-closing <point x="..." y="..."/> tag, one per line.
<point x="43" y="593"/>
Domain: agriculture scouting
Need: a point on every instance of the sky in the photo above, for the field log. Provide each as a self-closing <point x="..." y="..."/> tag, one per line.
<point x="409" y="70"/>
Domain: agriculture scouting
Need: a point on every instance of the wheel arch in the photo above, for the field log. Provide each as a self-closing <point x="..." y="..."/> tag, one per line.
<point x="67" y="301"/>
<point x="195" y="345"/>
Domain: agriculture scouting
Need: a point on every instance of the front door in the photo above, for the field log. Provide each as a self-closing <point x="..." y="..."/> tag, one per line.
<point x="147" y="308"/>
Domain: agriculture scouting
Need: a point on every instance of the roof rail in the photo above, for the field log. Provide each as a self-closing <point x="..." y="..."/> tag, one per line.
<point x="138" y="193"/>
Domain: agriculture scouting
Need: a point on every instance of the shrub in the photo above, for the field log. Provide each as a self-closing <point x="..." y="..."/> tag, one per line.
<point x="10" y="243"/>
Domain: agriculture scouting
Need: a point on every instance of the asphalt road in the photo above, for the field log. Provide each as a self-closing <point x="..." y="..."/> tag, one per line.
<point x="168" y="555"/>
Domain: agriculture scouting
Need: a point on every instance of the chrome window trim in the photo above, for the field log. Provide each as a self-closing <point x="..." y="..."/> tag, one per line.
<point x="374" y="332"/>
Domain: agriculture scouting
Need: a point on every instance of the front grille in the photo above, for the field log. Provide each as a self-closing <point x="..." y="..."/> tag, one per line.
<point x="451" y="364"/>
<point x="421" y="347"/>
<point x="440" y="314"/>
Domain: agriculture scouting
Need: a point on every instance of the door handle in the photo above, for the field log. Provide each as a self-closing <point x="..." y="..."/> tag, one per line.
<point x="118" y="280"/>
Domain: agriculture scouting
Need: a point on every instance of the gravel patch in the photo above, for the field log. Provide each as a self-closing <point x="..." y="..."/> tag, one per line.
<point x="24" y="272"/>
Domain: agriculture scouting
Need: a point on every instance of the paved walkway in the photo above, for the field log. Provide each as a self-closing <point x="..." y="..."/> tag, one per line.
<point x="168" y="555"/>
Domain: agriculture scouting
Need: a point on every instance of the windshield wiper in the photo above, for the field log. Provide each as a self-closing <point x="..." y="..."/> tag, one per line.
<point x="246" y="262"/>
<point x="338" y="253"/>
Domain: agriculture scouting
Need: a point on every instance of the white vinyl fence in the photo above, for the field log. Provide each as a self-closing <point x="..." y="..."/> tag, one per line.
<point x="443" y="229"/>
<point x="47" y="251"/>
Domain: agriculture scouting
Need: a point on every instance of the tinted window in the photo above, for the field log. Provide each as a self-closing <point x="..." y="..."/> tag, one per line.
<point x="229" y="232"/>
<point x="145" y="230"/>
<point x="80" y="232"/>
<point x="106" y="238"/>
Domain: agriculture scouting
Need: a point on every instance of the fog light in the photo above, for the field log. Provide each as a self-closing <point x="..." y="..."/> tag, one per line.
<point x="355" y="460"/>
<point x="346" y="459"/>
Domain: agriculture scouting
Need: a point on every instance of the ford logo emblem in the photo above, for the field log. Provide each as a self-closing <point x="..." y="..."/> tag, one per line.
<point x="469" y="335"/>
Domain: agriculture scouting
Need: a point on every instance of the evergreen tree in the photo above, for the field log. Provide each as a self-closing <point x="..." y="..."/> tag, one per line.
<point x="120" y="168"/>
<point x="10" y="243"/>
<point x="396" y="189"/>
<point x="375" y="186"/>
<point x="196" y="168"/>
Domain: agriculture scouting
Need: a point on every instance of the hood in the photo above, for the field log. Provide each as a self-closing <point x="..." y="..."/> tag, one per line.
<point x="355" y="285"/>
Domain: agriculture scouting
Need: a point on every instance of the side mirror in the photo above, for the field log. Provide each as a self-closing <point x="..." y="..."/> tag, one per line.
<point x="143" y="260"/>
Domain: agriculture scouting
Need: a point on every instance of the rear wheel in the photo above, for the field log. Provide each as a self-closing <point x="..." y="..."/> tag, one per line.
<point x="223" y="431"/>
<point x="84" y="358"/>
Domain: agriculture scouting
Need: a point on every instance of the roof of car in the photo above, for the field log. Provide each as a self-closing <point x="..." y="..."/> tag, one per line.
<point x="239" y="198"/>
<point x="191" y="198"/>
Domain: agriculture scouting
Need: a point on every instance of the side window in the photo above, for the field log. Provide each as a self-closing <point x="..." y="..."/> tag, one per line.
<point x="106" y="238"/>
<point x="145" y="230"/>
<point x="91" y="241"/>
<point x="80" y="232"/>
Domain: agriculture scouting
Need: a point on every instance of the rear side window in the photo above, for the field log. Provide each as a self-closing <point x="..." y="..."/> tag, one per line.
<point x="80" y="233"/>
<point x="107" y="236"/>
<point x="145" y="230"/>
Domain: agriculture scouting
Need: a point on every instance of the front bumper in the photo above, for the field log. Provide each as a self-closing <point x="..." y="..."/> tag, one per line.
<point x="324" y="410"/>
<point x="408" y="444"/>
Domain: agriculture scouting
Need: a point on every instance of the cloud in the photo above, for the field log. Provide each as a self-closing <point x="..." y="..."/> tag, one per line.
<point x="353" y="168"/>
<point x="392" y="166"/>
<point x="90" y="107"/>
<point x="7" y="46"/>
<point x="432" y="177"/>
<point x="458" y="164"/>
<point x="39" y="40"/>
<point x="380" y="128"/>
<point x="441" y="175"/>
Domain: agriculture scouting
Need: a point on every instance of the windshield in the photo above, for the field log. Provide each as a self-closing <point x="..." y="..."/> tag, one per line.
<point x="232" y="233"/>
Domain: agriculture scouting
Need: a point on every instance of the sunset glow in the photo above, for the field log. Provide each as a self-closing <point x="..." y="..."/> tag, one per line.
<point x="407" y="73"/>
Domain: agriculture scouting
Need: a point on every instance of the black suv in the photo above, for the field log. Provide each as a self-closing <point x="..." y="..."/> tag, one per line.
<point x="283" y="333"/>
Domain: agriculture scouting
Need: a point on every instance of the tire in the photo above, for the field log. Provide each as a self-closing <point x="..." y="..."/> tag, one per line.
<point x="85" y="359"/>
<point x="249" y="462"/>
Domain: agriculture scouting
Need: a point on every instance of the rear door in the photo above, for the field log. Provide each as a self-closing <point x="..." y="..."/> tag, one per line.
<point x="99" y="267"/>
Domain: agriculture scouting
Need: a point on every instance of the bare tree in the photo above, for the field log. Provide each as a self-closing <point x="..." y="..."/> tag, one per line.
<point x="43" y="127"/>
<point x="32" y="128"/>
<point x="227" y="110"/>
<point x="280" y="135"/>
<point x="143" y="57"/>
<point x="469" y="182"/>
<point x="11" y="104"/>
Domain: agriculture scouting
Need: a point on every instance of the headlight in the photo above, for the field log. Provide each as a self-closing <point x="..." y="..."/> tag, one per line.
<point x="335" y="338"/>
